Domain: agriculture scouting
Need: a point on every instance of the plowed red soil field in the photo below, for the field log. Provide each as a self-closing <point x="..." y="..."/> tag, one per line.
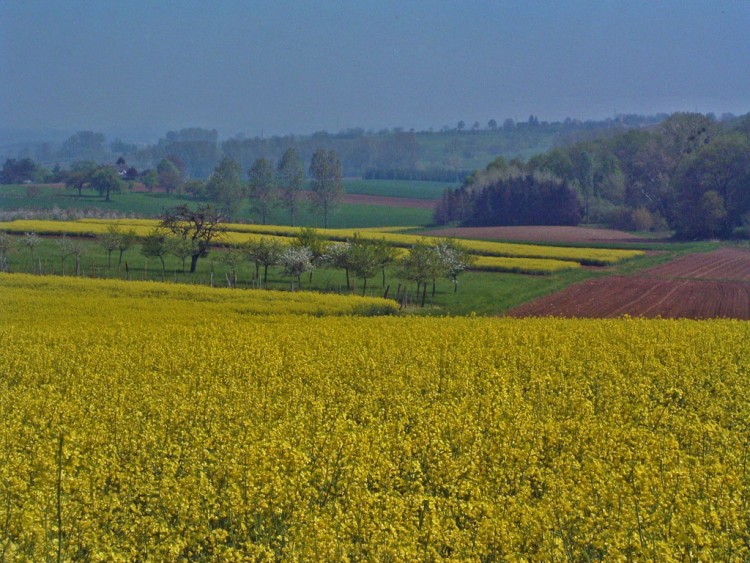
<point x="697" y="286"/>
<point x="539" y="234"/>
<point x="726" y="264"/>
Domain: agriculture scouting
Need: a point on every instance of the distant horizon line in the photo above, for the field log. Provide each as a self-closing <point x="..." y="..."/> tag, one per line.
<point x="155" y="133"/>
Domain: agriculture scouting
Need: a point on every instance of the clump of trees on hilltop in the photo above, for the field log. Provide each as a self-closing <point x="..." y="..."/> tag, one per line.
<point x="506" y="195"/>
<point x="689" y="174"/>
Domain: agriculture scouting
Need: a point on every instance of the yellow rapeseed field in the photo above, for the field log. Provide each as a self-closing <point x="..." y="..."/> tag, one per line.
<point x="522" y="265"/>
<point x="136" y="424"/>
<point x="31" y="298"/>
<point x="237" y="233"/>
<point x="593" y="256"/>
<point x="80" y="227"/>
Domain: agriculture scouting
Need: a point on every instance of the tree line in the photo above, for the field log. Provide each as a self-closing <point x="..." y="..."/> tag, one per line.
<point x="689" y="174"/>
<point x="266" y="186"/>
<point x="381" y="153"/>
<point x="193" y="231"/>
<point x="189" y="234"/>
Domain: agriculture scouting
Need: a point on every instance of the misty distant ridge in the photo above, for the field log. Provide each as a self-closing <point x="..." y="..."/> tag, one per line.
<point x="16" y="136"/>
<point x="448" y="153"/>
<point x="141" y="135"/>
<point x="145" y="135"/>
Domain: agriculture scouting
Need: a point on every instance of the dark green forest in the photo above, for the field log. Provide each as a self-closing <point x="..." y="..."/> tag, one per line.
<point x="689" y="174"/>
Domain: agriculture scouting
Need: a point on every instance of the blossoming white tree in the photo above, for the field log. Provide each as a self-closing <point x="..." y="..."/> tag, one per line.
<point x="453" y="259"/>
<point x="295" y="261"/>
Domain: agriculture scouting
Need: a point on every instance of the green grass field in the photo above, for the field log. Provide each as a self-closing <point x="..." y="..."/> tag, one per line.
<point x="153" y="204"/>
<point x="398" y="188"/>
<point x="18" y="197"/>
<point x="353" y="216"/>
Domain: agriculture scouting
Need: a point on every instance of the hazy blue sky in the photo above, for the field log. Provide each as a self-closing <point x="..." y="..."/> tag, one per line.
<point x="295" y="67"/>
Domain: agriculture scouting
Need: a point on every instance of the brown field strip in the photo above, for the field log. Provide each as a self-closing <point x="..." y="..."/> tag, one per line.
<point x="697" y="286"/>
<point x="727" y="264"/>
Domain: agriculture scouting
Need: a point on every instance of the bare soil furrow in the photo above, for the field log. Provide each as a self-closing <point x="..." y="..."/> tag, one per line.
<point x="699" y="286"/>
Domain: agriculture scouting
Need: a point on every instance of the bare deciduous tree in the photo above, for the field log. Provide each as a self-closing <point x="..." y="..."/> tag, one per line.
<point x="199" y="227"/>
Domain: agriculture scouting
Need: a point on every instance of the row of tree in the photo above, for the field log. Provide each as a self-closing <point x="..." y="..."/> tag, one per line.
<point x="266" y="187"/>
<point x="192" y="237"/>
<point x="88" y="174"/>
<point x="451" y="148"/>
<point x="195" y="230"/>
<point x="359" y="258"/>
<point x="690" y="173"/>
